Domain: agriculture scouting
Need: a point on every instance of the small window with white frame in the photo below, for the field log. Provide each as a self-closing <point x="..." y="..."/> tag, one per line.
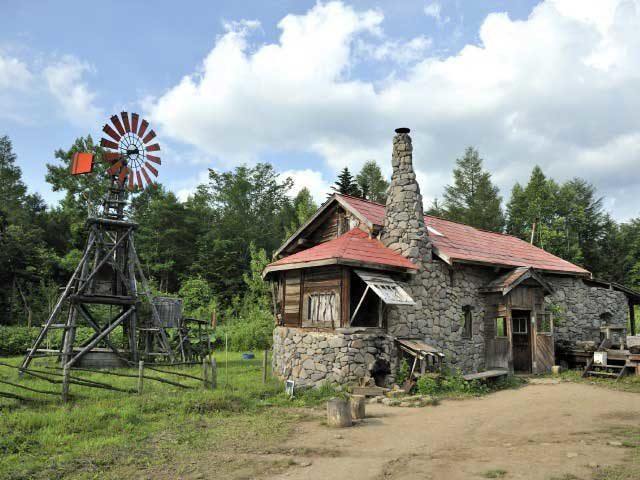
<point x="520" y="326"/>
<point x="467" y="322"/>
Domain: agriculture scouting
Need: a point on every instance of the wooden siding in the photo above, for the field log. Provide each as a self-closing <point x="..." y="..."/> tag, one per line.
<point x="292" y="291"/>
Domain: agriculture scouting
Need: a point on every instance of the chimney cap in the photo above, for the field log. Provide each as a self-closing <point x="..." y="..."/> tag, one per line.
<point x="402" y="130"/>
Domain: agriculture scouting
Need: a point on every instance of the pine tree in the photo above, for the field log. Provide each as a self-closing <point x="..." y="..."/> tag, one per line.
<point x="346" y="184"/>
<point x="473" y="199"/>
<point x="372" y="184"/>
<point x="436" y="209"/>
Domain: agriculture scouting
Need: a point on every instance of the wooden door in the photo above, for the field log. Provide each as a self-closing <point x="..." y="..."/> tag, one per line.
<point x="521" y="343"/>
<point x="544" y="351"/>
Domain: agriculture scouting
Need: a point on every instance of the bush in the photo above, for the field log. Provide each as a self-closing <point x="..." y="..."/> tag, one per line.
<point x="253" y="332"/>
<point x="450" y="384"/>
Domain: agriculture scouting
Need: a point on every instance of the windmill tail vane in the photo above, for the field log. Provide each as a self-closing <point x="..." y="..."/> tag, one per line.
<point x="130" y="155"/>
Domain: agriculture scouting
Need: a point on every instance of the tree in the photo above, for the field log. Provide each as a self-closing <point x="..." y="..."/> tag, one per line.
<point x="473" y="199"/>
<point x="371" y="183"/>
<point x="346" y="184"/>
<point x="536" y="202"/>
<point x="247" y="206"/>
<point x="303" y="208"/>
<point x="436" y="209"/>
<point x="24" y="256"/>
<point x="162" y="240"/>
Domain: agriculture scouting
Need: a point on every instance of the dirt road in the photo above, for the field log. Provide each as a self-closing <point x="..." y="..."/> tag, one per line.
<point x="541" y="431"/>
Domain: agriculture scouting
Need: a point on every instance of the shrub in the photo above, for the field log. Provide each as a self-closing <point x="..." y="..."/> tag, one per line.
<point x="452" y="384"/>
<point x="253" y="332"/>
<point x="403" y="372"/>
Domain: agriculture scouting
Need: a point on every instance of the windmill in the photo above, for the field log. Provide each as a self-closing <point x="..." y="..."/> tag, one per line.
<point x="109" y="277"/>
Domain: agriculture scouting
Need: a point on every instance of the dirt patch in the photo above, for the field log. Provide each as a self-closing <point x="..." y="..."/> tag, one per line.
<point x="543" y="431"/>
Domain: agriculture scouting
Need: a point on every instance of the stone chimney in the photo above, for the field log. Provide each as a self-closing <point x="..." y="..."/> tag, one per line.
<point x="404" y="229"/>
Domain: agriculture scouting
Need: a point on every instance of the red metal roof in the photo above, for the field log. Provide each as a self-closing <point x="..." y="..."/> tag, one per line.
<point x="456" y="241"/>
<point x="355" y="245"/>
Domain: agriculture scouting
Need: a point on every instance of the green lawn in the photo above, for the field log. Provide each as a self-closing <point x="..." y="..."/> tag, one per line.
<point x="165" y="432"/>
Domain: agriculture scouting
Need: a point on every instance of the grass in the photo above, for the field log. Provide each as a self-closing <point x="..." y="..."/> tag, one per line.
<point x="235" y="430"/>
<point x="628" y="383"/>
<point x="494" y="473"/>
<point x="629" y="436"/>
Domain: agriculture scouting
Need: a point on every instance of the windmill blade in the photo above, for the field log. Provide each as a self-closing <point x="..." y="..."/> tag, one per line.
<point x="111" y="132"/>
<point x="108" y="143"/>
<point x="146" y="177"/>
<point x="115" y="168"/>
<point x="143" y="128"/>
<point x="149" y="136"/>
<point x="125" y="121"/>
<point x="140" y="184"/>
<point x="154" y="159"/>
<point x="134" y="123"/>
<point x="116" y="123"/>
<point x="153" y="148"/>
<point x="151" y="168"/>
<point x="110" y="157"/>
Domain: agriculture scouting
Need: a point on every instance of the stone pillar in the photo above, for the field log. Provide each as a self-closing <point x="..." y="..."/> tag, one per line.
<point x="405" y="232"/>
<point x="404" y="229"/>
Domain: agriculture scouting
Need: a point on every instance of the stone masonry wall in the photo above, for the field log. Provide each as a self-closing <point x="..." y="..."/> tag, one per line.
<point x="582" y="306"/>
<point x="439" y="292"/>
<point x="310" y="358"/>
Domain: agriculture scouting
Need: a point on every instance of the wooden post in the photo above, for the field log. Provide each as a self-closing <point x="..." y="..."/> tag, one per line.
<point x="65" y="384"/>
<point x="205" y="372"/>
<point x="264" y="366"/>
<point x="214" y="372"/>
<point x="140" y="376"/>
<point x="357" y="407"/>
<point x="632" y="318"/>
<point x="339" y="413"/>
<point x="226" y="360"/>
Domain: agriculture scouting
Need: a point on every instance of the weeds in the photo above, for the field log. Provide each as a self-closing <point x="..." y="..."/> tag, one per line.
<point x="494" y="473"/>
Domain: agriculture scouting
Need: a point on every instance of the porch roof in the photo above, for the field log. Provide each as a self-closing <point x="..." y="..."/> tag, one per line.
<point x="511" y="279"/>
<point x="354" y="248"/>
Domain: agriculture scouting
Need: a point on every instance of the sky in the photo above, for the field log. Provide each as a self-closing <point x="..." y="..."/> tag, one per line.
<point x="314" y="87"/>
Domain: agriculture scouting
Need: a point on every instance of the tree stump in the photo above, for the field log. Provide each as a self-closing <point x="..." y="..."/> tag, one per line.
<point x="339" y="413"/>
<point x="556" y="369"/>
<point x="357" y="407"/>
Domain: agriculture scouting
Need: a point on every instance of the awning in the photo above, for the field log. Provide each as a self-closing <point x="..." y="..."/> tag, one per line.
<point x="386" y="288"/>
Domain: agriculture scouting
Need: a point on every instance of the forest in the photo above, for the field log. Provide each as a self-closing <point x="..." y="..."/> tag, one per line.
<point x="210" y="249"/>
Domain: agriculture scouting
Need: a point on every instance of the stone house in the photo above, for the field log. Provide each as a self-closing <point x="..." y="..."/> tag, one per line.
<point x="360" y="285"/>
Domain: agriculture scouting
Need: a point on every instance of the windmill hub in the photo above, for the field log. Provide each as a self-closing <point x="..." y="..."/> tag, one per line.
<point x="132" y="150"/>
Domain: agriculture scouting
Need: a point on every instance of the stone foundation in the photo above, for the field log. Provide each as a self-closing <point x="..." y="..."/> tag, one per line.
<point x="583" y="309"/>
<point x="310" y="358"/>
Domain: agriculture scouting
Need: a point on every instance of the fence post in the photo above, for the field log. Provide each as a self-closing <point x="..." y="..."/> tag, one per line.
<point x="140" y="376"/>
<point x="264" y="366"/>
<point x="214" y="372"/>
<point x="65" y="384"/>
<point x="205" y="373"/>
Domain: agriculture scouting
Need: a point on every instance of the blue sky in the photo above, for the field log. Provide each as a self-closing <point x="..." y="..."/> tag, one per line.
<point x="312" y="87"/>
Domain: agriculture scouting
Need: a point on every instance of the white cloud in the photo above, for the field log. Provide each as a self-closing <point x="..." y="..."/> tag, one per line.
<point x="14" y="74"/>
<point x="65" y="82"/>
<point x="311" y="179"/>
<point x="434" y="10"/>
<point x="30" y="92"/>
<point x="557" y="89"/>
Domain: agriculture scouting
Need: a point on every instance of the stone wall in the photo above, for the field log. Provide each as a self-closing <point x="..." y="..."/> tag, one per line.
<point x="310" y="358"/>
<point x="584" y="308"/>
<point x="439" y="291"/>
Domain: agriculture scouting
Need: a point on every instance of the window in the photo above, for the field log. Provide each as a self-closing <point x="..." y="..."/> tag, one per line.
<point x="322" y="308"/>
<point x="467" y="322"/>
<point x="520" y="325"/>
<point x="501" y="327"/>
<point x="543" y="323"/>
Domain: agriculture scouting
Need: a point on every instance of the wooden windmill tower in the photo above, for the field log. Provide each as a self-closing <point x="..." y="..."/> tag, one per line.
<point x="109" y="277"/>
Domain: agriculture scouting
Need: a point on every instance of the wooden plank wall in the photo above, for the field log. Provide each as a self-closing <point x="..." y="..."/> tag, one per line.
<point x="292" y="291"/>
<point x="298" y="284"/>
